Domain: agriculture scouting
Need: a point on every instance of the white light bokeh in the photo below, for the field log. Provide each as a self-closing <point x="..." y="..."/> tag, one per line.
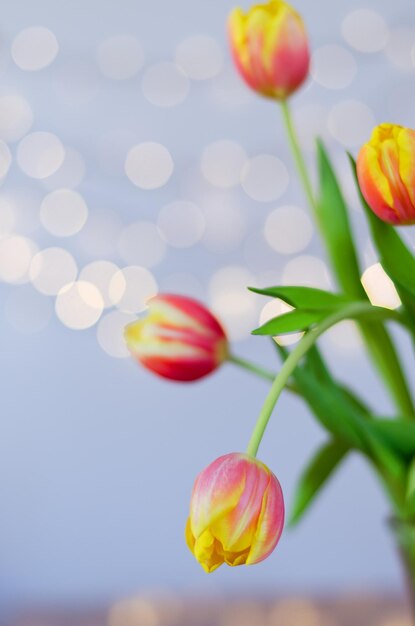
<point x="365" y="30"/>
<point x="400" y="47"/>
<point x="100" y="235"/>
<point x="232" y="302"/>
<point x="140" y="243"/>
<point x="110" y="333"/>
<point x="16" y="255"/>
<point x="345" y="337"/>
<point x="120" y="57"/>
<point x="16" y="117"/>
<point x="225" y="224"/>
<point x="51" y="269"/>
<point x="165" y="84"/>
<point x="131" y="288"/>
<point x="40" y="154"/>
<point x="34" y="48"/>
<point x="333" y="67"/>
<point x="264" y="178"/>
<point x="311" y="122"/>
<point x="63" y="212"/>
<point x="272" y="309"/>
<point x="200" y="57"/>
<point x="27" y="311"/>
<point x="79" y="305"/>
<point x="222" y="163"/>
<point x="100" y="273"/>
<point x="351" y="122"/>
<point x="149" y="165"/>
<point x="308" y="271"/>
<point x="181" y="224"/>
<point x="288" y="229"/>
<point x="70" y="174"/>
<point x="5" y="159"/>
<point x="379" y="287"/>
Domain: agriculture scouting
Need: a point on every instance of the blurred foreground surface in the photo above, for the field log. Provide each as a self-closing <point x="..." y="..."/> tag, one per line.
<point x="141" y="611"/>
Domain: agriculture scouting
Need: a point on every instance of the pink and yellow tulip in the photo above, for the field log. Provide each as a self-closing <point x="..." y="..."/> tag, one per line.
<point x="386" y="173"/>
<point x="178" y="339"/>
<point x="236" y="512"/>
<point x="270" y="48"/>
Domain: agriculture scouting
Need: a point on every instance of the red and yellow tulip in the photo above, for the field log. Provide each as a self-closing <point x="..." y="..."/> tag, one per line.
<point x="386" y="173"/>
<point x="178" y="339"/>
<point x="236" y="512"/>
<point x="270" y="48"/>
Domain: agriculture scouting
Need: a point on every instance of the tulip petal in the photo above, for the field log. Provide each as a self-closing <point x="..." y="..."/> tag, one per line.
<point x="270" y="523"/>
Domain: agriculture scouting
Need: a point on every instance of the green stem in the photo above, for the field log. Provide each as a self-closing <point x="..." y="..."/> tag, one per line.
<point x="291" y="363"/>
<point x="258" y="370"/>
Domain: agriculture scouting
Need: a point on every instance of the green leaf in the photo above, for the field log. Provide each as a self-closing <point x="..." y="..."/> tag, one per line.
<point x="304" y="297"/>
<point x="399" y="434"/>
<point x="396" y="259"/>
<point x="410" y="486"/>
<point x="315" y="477"/>
<point x="301" y="320"/>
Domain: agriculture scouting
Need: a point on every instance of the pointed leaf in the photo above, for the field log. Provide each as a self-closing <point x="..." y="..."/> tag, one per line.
<point x="304" y="297"/>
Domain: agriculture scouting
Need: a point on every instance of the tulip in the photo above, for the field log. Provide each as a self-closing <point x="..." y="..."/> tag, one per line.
<point x="386" y="173"/>
<point x="179" y="339"/>
<point x="270" y="48"/>
<point x="236" y="512"/>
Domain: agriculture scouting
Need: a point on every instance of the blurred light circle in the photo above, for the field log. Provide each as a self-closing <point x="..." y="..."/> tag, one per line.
<point x="131" y="288"/>
<point x="71" y="172"/>
<point x="63" y="212"/>
<point x="400" y="47"/>
<point x="51" y="269"/>
<point x="79" y="305"/>
<point x="181" y="224"/>
<point x="308" y="271"/>
<point x="165" y="84"/>
<point x="27" y="311"/>
<point x="101" y="232"/>
<point x="288" y="229"/>
<point x="365" y="30"/>
<point x="222" y="163"/>
<point x="110" y="333"/>
<point x="333" y="67"/>
<point x="120" y="57"/>
<point x="34" y="48"/>
<point x="351" y="122"/>
<point x="16" y="117"/>
<point x="311" y="122"/>
<point x="200" y="57"/>
<point x="275" y="308"/>
<point x="225" y="225"/>
<point x="379" y="287"/>
<point x="149" y="165"/>
<point x="5" y="159"/>
<point x="264" y="178"/>
<point x="40" y="154"/>
<point x="16" y="254"/>
<point x="232" y="302"/>
<point x="345" y="336"/>
<point x="7" y="217"/>
<point x="141" y="244"/>
<point x="100" y="274"/>
<point x="182" y="283"/>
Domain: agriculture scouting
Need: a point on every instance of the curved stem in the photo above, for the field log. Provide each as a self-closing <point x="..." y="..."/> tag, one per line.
<point x="291" y="363"/>
<point x="251" y="367"/>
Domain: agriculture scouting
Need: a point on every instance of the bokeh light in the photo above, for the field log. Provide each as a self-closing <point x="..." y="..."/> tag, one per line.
<point x="306" y="270"/>
<point x="120" y="57"/>
<point x="288" y="229"/>
<point x="79" y="305"/>
<point x="264" y="178"/>
<point x="200" y="57"/>
<point x="7" y="217"/>
<point x="40" y="154"/>
<point x="34" y="48"/>
<point x="16" y="117"/>
<point x="63" y="212"/>
<point x="16" y="253"/>
<point x="275" y="308"/>
<point x="131" y="288"/>
<point x="365" y="30"/>
<point x="5" y="159"/>
<point x="110" y="333"/>
<point x="149" y="165"/>
<point x="51" y="269"/>
<point x="333" y="66"/>
<point x="379" y="287"/>
<point x="399" y="50"/>
<point x="222" y="163"/>
<point x="100" y="274"/>
<point x="229" y="298"/>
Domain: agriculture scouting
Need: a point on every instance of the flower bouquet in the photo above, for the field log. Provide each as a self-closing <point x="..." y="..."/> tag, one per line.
<point x="237" y="507"/>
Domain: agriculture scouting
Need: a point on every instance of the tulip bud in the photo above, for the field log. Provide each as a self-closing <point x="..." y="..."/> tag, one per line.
<point x="386" y="173"/>
<point x="270" y="48"/>
<point x="179" y="339"/>
<point x="236" y="512"/>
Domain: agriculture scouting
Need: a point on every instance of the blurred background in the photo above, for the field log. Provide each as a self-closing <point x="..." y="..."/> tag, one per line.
<point x="133" y="160"/>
